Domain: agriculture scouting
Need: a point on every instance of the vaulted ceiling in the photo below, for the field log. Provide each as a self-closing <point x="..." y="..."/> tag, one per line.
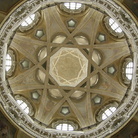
<point x="50" y="73"/>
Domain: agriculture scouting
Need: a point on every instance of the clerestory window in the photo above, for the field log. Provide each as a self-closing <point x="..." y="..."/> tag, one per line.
<point x="108" y="112"/>
<point x="115" y="26"/>
<point x="8" y="62"/>
<point x="28" y="20"/>
<point x="73" y="5"/>
<point x="65" y="127"/>
<point x="129" y="70"/>
<point x="24" y="106"/>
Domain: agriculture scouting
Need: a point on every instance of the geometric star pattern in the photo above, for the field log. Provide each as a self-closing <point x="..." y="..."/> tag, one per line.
<point x="68" y="67"/>
<point x="85" y="74"/>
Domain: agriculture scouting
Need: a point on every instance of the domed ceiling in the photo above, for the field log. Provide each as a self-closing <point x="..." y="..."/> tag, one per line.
<point x="69" y="68"/>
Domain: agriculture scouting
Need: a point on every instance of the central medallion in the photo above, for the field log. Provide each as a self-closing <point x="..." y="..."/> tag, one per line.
<point x="68" y="66"/>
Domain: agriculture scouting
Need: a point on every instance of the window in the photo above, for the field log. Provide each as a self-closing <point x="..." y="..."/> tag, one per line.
<point x="24" y="106"/>
<point x="8" y="62"/>
<point x="73" y="5"/>
<point x="129" y="70"/>
<point x="28" y="20"/>
<point x="115" y="26"/>
<point x="65" y="127"/>
<point x="108" y="112"/>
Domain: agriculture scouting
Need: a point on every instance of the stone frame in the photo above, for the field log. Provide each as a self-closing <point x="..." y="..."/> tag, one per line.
<point x="31" y="111"/>
<point x="99" y="114"/>
<point x="108" y="27"/>
<point x="76" y="11"/>
<point x="11" y="70"/>
<point x="126" y="62"/>
<point x="35" y="21"/>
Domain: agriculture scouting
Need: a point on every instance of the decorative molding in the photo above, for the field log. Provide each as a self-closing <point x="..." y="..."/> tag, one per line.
<point x="108" y="27"/>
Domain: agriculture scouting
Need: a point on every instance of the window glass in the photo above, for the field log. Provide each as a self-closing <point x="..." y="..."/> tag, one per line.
<point x="108" y="112"/>
<point x="8" y="62"/>
<point x="129" y="70"/>
<point x="115" y="26"/>
<point x="73" y="5"/>
<point x="65" y="127"/>
<point x="28" y="20"/>
<point x="23" y="105"/>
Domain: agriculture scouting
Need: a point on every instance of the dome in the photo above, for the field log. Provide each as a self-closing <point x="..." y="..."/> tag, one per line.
<point x="68" y="69"/>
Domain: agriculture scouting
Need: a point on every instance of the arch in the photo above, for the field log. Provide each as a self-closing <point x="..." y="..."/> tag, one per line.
<point x="72" y="7"/>
<point x="127" y="70"/>
<point x="25" y="105"/>
<point x="65" y="125"/>
<point x="29" y="22"/>
<point x="113" y="27"/>
<point x="10" y="62"/>
<point x="106" y="111"/>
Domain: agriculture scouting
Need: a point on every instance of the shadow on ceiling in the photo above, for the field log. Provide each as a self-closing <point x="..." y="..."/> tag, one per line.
<point x="132" y="5"/>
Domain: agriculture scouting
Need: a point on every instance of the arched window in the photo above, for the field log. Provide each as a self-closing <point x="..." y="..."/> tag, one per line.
<point x="24" y="104"/>
<point x="106" y="111"/>
<point x="29" y="22"/>
<point x="113" y="27"/>
<point x="129" y="70"/>
<point x="65" y="127"/>
<point x="72" y="7"/>
<point x="8" y="62"/>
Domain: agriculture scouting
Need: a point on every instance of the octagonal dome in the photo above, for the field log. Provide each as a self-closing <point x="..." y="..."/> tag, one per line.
<point x="68" y="67"/>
